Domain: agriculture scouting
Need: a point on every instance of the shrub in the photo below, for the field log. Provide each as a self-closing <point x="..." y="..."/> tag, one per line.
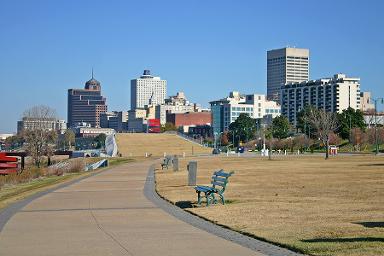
<point x="76" y="165"/>
<point x="25" y="176"/>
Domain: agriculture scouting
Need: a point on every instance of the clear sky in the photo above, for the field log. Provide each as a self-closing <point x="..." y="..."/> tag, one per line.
<point x="204" y="48"/>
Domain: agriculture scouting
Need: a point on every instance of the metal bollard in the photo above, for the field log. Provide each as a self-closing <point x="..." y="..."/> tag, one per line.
<point x="192" y="173"/>
<point x="175" y="163"/>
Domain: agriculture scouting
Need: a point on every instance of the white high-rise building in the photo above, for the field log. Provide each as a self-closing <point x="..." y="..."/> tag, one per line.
<point x="331" y="94"/>
<point x="147" y="90"/>
<point x="286" y="65"/>
<point x="227" y="110"/>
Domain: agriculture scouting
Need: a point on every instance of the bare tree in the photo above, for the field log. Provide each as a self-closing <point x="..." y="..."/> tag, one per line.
<point x="325" y="123"/>
<point x="40" y="136"/>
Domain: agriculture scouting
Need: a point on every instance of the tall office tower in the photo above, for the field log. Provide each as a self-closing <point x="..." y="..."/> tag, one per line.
<point x="86" y="105"/>
<point x="286" y="65"/>
<point x="147" y="90"/>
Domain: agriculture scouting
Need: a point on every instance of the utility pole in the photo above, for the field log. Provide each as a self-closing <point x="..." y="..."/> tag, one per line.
<point x="376" y="134"/>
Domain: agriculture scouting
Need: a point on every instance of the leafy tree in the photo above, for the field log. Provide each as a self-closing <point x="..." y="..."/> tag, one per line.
<point x="280" y="127"/>
<point x="224" y="139"/>
<point x="243" y="129"/>
<point x="100" y="140"/>
<point x="302" y="123"/>
<point x="349" y="119"/>
<point x="15" y="141"/>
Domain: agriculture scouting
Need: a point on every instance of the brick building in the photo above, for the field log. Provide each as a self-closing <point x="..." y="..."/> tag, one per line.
<point x="86" y="105"/>
<point x="186" y="120"/>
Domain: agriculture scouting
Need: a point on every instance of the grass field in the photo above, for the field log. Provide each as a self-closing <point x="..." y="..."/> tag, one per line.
<point x="137" y="144"/>
<point x="316" y="206"/>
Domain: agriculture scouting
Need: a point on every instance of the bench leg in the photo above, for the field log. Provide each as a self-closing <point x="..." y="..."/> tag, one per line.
<point x="222" y="198"/>
<point x="198" y="198"/>
<point x="214" y="200"/>
<point x="207" y="197"/>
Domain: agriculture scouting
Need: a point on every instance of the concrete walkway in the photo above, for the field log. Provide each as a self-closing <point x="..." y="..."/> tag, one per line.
<point x="106" y="214"/>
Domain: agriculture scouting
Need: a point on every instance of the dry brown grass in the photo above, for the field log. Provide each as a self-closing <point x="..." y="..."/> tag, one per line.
<point x="137" y="144"/>
<point x="333" y="207"/>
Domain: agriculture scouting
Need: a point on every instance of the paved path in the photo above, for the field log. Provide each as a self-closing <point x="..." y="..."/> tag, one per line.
<point x="106" y="214"/>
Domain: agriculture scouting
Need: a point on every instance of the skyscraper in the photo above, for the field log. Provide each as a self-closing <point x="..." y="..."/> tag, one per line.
<point x="86" y="105"/>
<point x="147" y="90"/>
<point x="286" y="65"/>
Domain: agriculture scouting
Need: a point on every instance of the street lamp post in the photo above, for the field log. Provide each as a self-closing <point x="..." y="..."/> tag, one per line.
<point x="376" y="135"/>
<point x="214" y="139"/>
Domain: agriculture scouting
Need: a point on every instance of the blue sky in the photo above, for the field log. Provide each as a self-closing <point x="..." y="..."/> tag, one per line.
<point x="204" y="48"/>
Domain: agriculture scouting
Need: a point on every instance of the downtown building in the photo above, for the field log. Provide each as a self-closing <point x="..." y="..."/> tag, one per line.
<point x="331" y="94"/>
<point x="86" y="105"/>
<point x="147" y="90"/>
<point x="286" y="65"/>
<point x="46" y="124"/>
<point x="366" y="101"/>
<point x="227" y="110"/>
<point x="177" y="104"/>
<point x="117" y="120"/>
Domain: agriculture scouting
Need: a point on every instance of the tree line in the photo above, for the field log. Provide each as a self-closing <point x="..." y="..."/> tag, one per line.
<point x="314" y="126"/>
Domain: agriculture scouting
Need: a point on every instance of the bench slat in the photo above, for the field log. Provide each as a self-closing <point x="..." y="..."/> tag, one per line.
<point x="223" y="174"/>
<point x="204" y="188"/>
<point x="215" y="178"/>
<point x="219" y="184"/>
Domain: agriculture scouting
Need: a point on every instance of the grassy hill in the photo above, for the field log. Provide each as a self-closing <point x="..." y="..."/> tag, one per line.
<point x="137" y="144"/>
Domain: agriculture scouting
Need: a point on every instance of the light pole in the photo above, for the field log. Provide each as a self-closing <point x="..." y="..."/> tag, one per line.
<point x="214" y="139"/>
<point x="376" y="135"/>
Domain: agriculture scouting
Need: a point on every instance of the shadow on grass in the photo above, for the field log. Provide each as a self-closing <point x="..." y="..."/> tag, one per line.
<point x="184" y="204"/>
<point x="189" y="204"/>
<point x="344" y="240"/>
<point x="371" y="224"/>
<point x="372" y="164"/>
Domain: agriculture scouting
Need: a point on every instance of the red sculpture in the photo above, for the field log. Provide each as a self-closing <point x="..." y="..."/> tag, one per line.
<point x="8" y="164"/>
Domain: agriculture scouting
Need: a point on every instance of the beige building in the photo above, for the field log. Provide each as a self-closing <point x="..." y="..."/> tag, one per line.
<point x="177" y="104"/>
<point x="331" y="94"/>
<point x="286" y="65"/>
<point x="366" y="102"/>
<point x="48" y="124"/>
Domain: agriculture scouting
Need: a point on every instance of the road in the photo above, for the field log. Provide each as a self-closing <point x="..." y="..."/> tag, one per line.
<point x="106" y="214"/>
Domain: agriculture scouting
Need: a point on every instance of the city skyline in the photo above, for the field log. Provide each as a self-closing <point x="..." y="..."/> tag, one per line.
<point x="51" y="47"/>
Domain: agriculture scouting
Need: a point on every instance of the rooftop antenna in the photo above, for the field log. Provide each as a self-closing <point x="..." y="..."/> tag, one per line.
<point x="92" y="72"/>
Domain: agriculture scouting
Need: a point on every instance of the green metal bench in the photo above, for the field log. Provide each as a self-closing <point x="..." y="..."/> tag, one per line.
<point x="219" y="183"/>
<point x="166" y="162"/>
